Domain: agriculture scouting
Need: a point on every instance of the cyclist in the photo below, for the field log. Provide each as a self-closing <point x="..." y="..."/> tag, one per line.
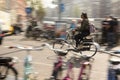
<point x="73" y="25"/>
<point x="83" y="30"/>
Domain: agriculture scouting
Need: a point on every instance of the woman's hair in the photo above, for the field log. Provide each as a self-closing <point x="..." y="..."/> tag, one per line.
<point x="84" y="15"/>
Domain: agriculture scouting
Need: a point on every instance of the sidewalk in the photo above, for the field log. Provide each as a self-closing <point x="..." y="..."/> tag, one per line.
<point x="100" y="65"/>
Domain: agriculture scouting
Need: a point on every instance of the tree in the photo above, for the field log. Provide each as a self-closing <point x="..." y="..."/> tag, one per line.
<point x="38" y="9"/>
<point x="76" y="11"/>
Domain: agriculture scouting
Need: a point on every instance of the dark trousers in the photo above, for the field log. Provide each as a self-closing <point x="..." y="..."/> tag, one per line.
<point x="110" y="38"/>
<point x="79" y="37"/>
<point x="1" y="40"/>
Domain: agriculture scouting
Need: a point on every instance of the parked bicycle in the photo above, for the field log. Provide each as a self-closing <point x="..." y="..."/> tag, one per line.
<point x="58" y="66"/>
<point x="7" y="69"/>
<point x="37" y="33"/>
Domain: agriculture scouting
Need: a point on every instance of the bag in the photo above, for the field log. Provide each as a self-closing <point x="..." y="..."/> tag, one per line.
<point x="92" y="28"/>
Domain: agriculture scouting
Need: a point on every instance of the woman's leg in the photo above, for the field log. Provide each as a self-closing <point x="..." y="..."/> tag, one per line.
<point x="77" y="39"/>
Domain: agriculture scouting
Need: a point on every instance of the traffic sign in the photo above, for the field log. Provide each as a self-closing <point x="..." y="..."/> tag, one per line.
<point x="28" y="10"/>
<point x="62" y="7"/>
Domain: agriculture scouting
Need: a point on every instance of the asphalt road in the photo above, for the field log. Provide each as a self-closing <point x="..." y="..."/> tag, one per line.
<point x="43" y="66"/>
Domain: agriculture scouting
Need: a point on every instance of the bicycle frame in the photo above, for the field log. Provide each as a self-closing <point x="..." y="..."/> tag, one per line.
<point x="83" y="65"/>
<point x="68" y="76"/>
<point x="82" y="68"/>
<point x="57" y="67"/>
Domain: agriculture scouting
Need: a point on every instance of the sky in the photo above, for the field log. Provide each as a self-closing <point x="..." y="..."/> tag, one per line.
<point x="48" y="3"/>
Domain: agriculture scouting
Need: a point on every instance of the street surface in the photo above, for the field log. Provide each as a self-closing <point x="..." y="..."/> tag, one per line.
<point x="43" y="66"/>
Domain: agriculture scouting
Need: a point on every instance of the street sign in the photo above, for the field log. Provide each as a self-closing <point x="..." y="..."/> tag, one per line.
<point x="62" y="7"/>
<point x="28" y="10"/>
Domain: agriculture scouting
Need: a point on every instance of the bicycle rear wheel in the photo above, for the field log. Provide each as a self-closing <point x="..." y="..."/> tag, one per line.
<point x="88" y="49"/>
<point x="8" y="73"/>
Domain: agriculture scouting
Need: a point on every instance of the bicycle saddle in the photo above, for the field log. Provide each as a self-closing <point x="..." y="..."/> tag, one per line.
<point x="5" y="59"/>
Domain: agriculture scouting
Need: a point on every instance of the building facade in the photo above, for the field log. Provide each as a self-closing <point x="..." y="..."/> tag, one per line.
<point x="115" y="10"/>
<point x="94" y="8"/>
<point x="16" y="8"/>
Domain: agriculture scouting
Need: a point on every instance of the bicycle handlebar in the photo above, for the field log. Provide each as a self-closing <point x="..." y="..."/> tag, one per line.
<point x="57" y="50"/>
<point x="60" y="51"/>
<point x="112" y="53"/>
<point x="30" y="48"/>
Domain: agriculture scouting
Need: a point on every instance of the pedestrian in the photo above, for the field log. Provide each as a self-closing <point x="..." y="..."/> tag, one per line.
<point x="28" y="30"/>
<point x="116" y="29"/>
<point x="104" y="23"/>
<point x="1" y="36"/>
<point x="110" y="32"/>
<point x="83" y="31"/>
<point x="73" y="24"/>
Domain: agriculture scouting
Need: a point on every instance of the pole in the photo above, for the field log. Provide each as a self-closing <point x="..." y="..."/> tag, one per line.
<point x="8" y="5"/>
<point x="59" y="10"/>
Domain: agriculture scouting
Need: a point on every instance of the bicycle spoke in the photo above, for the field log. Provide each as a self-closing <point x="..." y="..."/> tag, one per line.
<point x="88" y="49"/>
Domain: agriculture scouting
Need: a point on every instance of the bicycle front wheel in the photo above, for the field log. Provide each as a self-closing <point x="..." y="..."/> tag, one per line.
<point x="8" y="73"/>
<point x="61" y="44"/>
<point x="88" y="48"/>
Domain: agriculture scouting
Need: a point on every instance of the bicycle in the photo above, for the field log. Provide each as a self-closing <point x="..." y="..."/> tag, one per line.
<point x="85" y="69"/>
<point x="7" y="69"/>
<point x="29" y="74"/>
<point x="87" y="46"/>
<point x="58" y="66"/>
<point x="114" y="65"/>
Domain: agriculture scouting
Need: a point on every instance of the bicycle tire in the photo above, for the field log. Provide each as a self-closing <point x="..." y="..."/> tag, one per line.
<point x="7" y="72"/>
<point x="88" y="49"/>
<point x="85" y="75"/>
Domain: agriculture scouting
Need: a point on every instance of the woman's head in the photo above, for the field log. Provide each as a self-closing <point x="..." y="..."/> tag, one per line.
<point x="84" y="15"/>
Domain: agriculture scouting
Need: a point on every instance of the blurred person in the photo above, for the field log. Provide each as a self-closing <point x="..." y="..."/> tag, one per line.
<point x="105" y="27"/>
<point x="72" y="28"/>
<point x="105" y="23"/>
<point x="116" y="28"/>
<point x="73" y="24"/>
<point x="110" y="32"/>
<point x="1" y="36"/>
<point x="83" y="31"/>
<point x="28" y="30"/>
<point x="34" y="22"/>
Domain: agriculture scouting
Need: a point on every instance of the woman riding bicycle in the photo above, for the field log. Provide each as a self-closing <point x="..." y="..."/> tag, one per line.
<point x="83" y="30"/>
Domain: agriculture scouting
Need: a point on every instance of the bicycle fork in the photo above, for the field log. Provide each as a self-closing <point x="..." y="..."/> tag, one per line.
<point x="82" y="73"/>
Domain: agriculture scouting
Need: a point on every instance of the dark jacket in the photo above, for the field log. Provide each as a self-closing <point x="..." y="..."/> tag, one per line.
<point x="84" y="26"/>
